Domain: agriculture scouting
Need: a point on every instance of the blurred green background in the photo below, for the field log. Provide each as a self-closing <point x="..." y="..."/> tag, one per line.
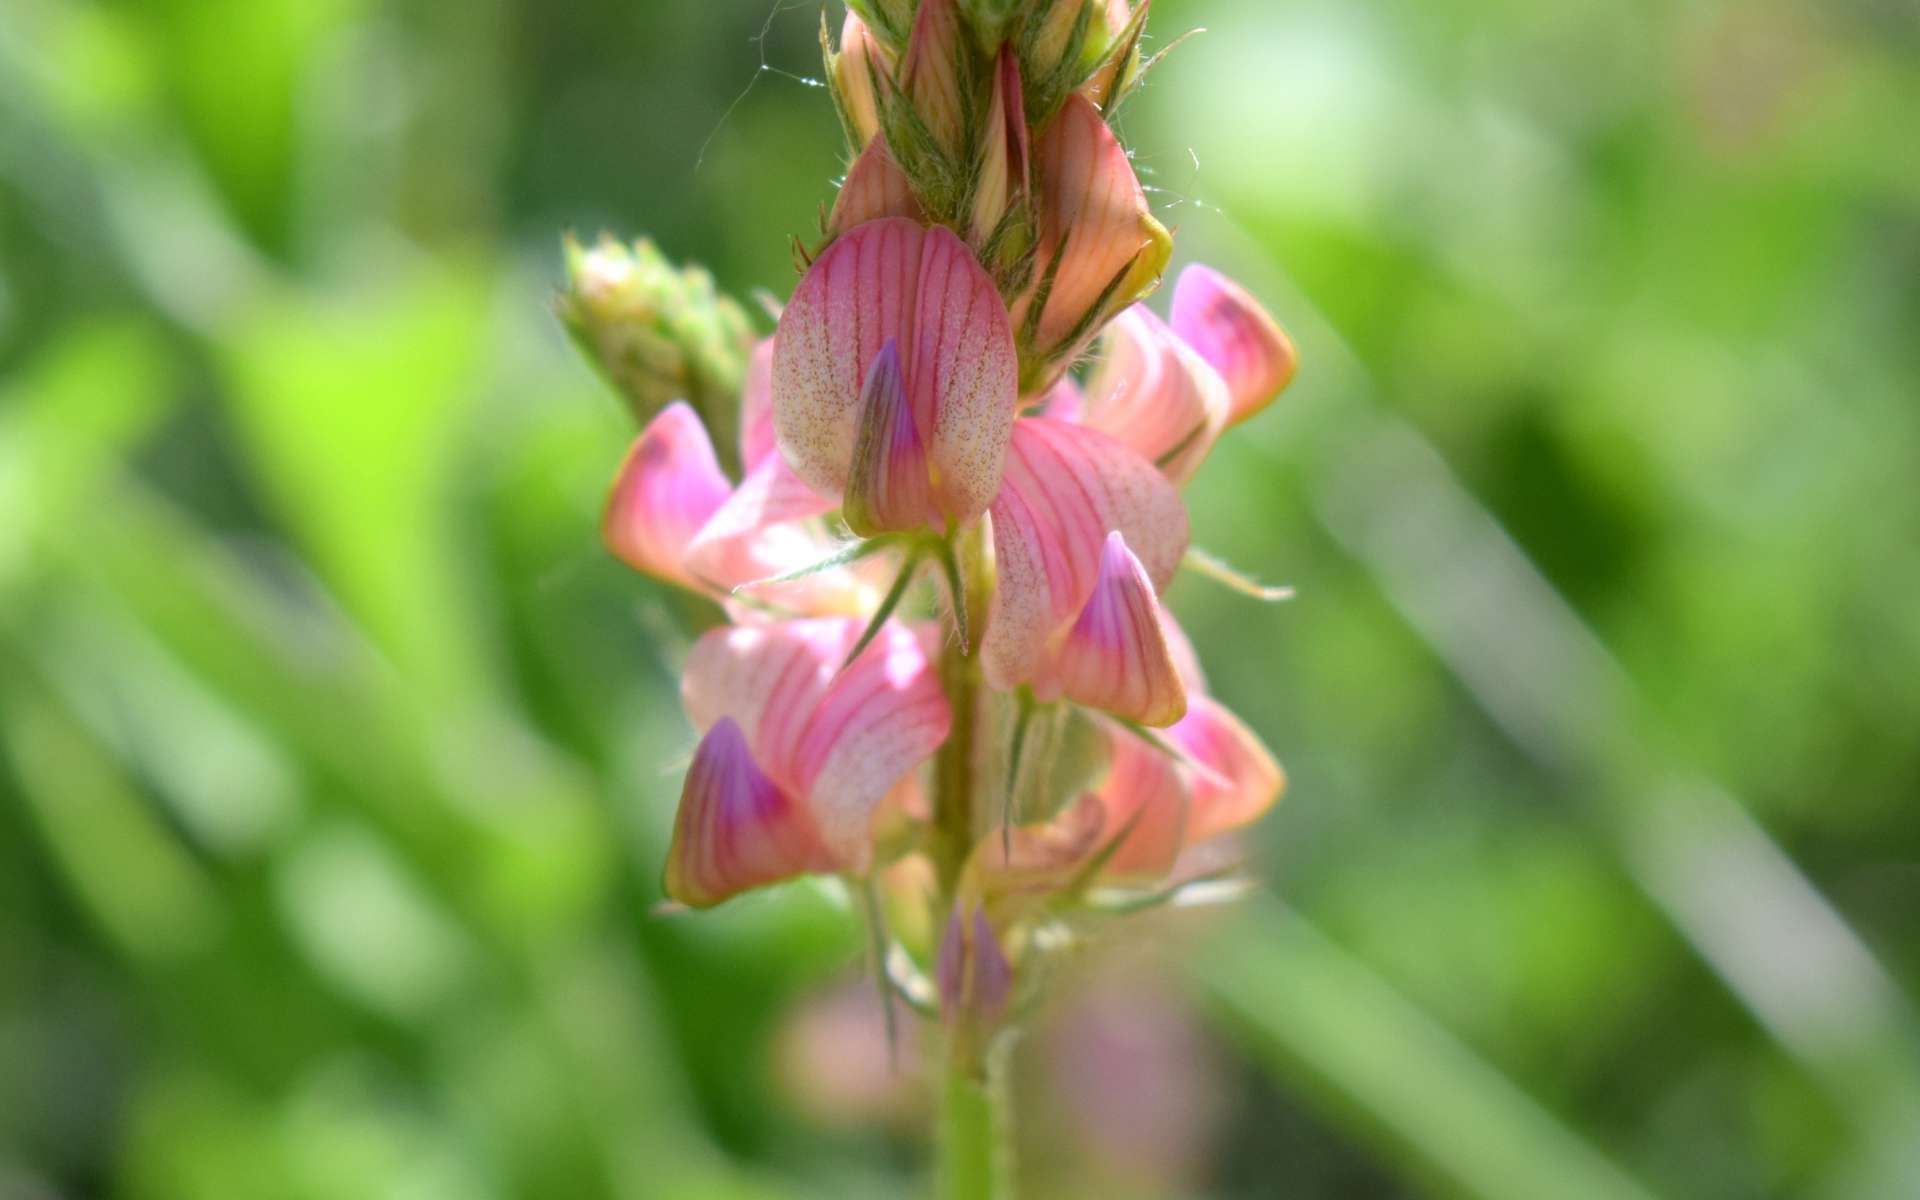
<point x="337" y="759"/>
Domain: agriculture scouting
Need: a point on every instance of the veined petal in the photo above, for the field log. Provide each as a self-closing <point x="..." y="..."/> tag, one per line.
<point x="1114" y="657"/>
<point x="737" y="828"/>
<point x="893" y="280"/>
<point x="887" y="486"/>
<point x="1099" y="245"/>
<point x="1155" y="393"/>
<point x="838" y="739"/>
<point x="965" y="377"/>
<point x="1065" y="488"/>
<point x="668" y="487"/>
<point x="756" y="407"/>
<point x="1227" y="326"/>
<point x="1145" y="794"/>
<point x="855" y="297"/>
<point x="1241" y="780"/>
<point x="752" y="535"/>
<point x="876" y="187"/>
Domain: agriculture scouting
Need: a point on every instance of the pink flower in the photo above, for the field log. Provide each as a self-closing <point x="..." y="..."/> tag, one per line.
<point x="1229" y="329"/>
<point x="798" y="753"/>
<point x="1154" y="392"/>
<point x="940" y="403"/>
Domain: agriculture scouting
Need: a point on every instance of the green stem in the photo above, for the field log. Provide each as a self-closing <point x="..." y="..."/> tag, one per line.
<point x="975" y="1158"/>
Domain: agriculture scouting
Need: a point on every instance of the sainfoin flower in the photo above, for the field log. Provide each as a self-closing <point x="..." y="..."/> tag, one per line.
<point x="944" y="513"/>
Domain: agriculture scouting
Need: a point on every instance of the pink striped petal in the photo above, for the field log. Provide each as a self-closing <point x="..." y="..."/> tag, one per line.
<point x="886" y="280"/>
<point x="1227" y="326"/>
<point x="930" y="73"/>
<point x="887" y="486"/>
<point x="1145" y="795"/>
<point x="1063" y="401"/>
<point x="876" y="187"/>
<point x="756" y="407"/>
<point x="839" y="739"/>
<point x="753" y="534"/>
<point x="737" y="828"/>
<point x="1091" y="201"/>
<point x="1241" y="780"/>
<point x="1155" y="393"/>
<point x="667" y="488"/>
<point x="964" y="379"/>
<point x="1114" y="657"/>
<point x="1065" y="488"/>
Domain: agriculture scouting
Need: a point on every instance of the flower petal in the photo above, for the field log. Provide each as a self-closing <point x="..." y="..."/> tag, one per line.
<point x="839" y="739"/>
<point x="752" y="535"/>
<point x="887" y="486"/>
<point x="921" y="288"/>
<point x="1155" y="393"/>
<point x="736" y="828"/>
<point x="1113" y="251"/>
<point x="1145" y="795"/>
<point x="1065" y="488"/>
<point x="1227" y="326"/>
<point x="1114" y="657"/>
<point x="1241" y="780"/>
<point x="668" y="487"/>
<point x="964" y="378"/>
<point x="876" y="187"/>
<point x="756" y="407"/>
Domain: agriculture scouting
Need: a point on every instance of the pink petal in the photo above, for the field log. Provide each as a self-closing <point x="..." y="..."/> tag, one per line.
<point x="1241" y="780"/>
<point x="756" y="407"/>
<point x="667" y="488"/>
<point x="887" y="486"/>
<point x="1032" y="861"/>
<point x="921" y="288"/>
<point x="876" y="187"/>
<point x="752" y="535"/>
<point x="839" y="739"/>
<point x="1155" y="393"/>
<point x="1146" y="795"/>
<point x="1115" y="657"/>
<point x="1065" y="488"/>
<point x="1227" y="326"/>
<point x="964" y="378"/>
<point x="972" y="973"/>
<point x="1091" y="199"/>
<point x="736" y="828"/>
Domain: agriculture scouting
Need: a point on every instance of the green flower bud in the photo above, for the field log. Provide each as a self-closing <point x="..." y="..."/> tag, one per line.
<point x="658" y="333"/>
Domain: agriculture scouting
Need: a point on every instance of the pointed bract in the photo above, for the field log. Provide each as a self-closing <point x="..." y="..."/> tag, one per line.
<point x="667" y="489"/>
<point x="736" y="828"/>
<point x="1227" y="326"/>
<point x="1114" y="656"/>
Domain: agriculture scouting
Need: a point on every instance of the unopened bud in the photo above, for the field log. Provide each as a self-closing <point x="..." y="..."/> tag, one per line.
<point x="852" y="73"/>
<point x="658" y="333"/>
<point x="973" y="974"/>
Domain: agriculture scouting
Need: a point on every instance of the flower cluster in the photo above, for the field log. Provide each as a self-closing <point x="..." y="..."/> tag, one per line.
<point x="947" y="669"/>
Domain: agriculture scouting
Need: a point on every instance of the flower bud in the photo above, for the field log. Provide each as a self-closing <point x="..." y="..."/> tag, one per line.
<point x="973" y="974"/>
<point x="1001" y="179"/>
<point x="934" y="75"/>
<point x="658" y="334"/>
<point x="852" y="73"/>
